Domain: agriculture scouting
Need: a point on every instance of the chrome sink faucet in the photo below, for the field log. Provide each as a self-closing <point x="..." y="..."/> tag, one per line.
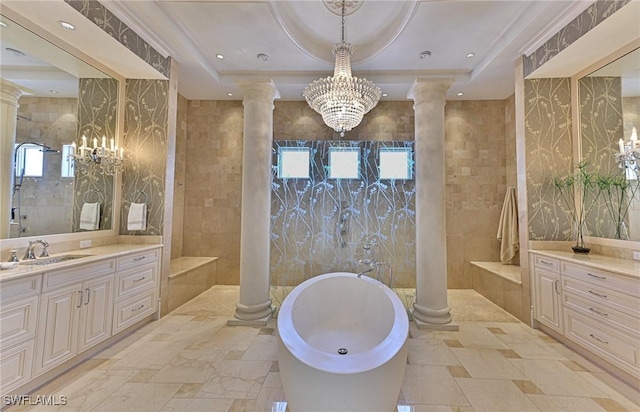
<point x="29" y="254"/>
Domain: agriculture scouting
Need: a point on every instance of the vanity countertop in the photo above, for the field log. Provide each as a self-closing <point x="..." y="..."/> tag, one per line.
<point x="92" y="254"/>
<point x="623" y="267"/>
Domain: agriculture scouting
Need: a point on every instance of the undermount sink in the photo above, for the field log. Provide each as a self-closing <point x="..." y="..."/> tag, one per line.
<point x="54" y="259"/>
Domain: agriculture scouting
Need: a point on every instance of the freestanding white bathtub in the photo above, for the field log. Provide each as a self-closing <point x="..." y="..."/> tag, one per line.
<point x="342" y="345"/>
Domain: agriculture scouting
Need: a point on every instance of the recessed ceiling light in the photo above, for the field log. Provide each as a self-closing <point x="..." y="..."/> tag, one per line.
<point x="229" y="94"/>
<point x="460" y="93"/>
<point x="15" y="52"/>
<point x="67" y="25"/>
<point x="219" y="56"/>
<point x="385" y="94"/>
<point x="263" y="57"/>
<point x="425" y="54"/>
<point x="3" y="24"/>
<point x="470" y="55"/>
<point x="53" y="91"/>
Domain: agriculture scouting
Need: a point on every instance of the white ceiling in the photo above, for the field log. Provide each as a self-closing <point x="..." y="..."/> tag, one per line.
<point x="387" y="37"/>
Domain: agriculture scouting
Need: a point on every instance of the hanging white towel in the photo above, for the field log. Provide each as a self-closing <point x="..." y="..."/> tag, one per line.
<point x="90" y="216"/>
<point x="508" y="227"/>
<point x="137" y="218"/>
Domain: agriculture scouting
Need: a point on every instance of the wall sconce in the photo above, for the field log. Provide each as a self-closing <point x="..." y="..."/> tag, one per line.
<point x="110" y="160"/>
<point x="629" y="155"/>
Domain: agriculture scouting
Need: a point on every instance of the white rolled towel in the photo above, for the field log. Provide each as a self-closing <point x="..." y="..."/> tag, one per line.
<point x="137" y="218"/>
<point x="8" y="265"/>
<point x="90" y="216"/>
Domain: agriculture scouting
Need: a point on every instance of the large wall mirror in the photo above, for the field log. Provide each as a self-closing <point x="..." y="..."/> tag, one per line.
<point x="609" y="105"/>
<point x="65" y="99"/>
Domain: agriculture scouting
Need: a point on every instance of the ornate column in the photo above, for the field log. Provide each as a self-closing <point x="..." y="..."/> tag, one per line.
<point x="430" y="310"/>
<point x="254" y="305"/>
<point x="9" y="95"/>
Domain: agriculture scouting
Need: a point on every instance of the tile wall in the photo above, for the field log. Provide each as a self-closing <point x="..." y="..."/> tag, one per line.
<point x="475" y="155"/>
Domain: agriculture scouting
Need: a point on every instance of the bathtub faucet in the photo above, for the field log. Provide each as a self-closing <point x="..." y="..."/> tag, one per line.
<point x="377" y="266"/>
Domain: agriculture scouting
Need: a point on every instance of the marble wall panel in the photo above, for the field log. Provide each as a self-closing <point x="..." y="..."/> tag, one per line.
<point x="475" y="159"/>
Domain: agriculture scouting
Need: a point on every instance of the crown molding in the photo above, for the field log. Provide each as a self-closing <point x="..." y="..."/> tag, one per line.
<point x="562" y="19"/>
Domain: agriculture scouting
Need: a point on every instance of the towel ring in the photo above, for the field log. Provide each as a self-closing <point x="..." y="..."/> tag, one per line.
<point x="88" y="192"/>
<point x="133" y="196"/>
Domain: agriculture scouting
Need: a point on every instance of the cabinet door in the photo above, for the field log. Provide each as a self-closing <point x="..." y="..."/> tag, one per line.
<point x="548" y="300"/>
<point x="96" y="312"/>
<point x="58" y="326"/>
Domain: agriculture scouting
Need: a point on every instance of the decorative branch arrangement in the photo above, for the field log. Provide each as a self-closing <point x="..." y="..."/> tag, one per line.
<point x="618" y="194"/>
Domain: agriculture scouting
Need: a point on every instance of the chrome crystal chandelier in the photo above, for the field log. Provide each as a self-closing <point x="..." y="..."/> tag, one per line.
<point x="342" y="100"/>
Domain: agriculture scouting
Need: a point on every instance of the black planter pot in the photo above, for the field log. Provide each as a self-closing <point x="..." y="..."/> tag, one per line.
<point x="583" y="250"/>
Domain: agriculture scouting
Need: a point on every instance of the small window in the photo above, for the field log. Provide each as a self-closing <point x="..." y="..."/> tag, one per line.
<point x="395" y="163"/>
<point x="29" y="160"/>
<point x="344" y="162"/>
<point x="293" y="163"/>
<point x="67" y="162"/>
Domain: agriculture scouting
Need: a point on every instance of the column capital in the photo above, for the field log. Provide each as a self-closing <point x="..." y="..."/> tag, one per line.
<point x="424" y="90"/>
<point x="259" y="91"/>
<point x="11" y="92"/>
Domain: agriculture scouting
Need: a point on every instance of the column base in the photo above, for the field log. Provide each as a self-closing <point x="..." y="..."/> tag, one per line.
<point x="450" y="327"/>
<point x="254" y="315"/>
<point x="261" y="323"/>
<point x="434" y="319"/>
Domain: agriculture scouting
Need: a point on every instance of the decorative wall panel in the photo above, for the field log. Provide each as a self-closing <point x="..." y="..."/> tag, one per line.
<point x="97" y="117"/>
<point x="145" y="143"/>
<point x="320" y="225"/>
<point x="112" y="25"/>
<point x="578" y="27"/>
<point x="549" y="153"/>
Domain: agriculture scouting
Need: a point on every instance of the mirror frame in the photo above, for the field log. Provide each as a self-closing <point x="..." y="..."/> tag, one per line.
<point x="575" y="132"/>
<point x="21" y="242"/>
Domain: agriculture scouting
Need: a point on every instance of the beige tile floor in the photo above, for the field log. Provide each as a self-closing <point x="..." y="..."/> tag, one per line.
<point x="191" y="361"/>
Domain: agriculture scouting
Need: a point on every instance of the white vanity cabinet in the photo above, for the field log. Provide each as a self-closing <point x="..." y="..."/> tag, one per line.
<point x="76" y="312"/>
<point x="602" y="313"/>
<point x="548" y="298"/>
<point x="136" y="288"/>
<point x="54" y="316"/>
<point x="594" y="302"/>
<point x="18" y="319"/>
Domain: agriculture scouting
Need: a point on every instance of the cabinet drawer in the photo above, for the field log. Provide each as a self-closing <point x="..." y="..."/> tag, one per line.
<point x="136" y="259"/>
<point x="604" y="279"/>
<point x="602" y="295"/>
<point x="602" y="313"/>
<point x="18" y="320"/>
<point x="16" y="364"/>
<point x="27" y="286"/>
<point x="130" y="281"/>
<point x="75" y="274"/>
<point x="618" y="348"/>
<point x="130" y="311"/>
<point x="547" y="263"/>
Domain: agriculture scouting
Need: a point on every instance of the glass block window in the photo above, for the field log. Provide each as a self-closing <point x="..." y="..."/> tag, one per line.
<point x="396" y="163"/>
<point x="293" y="163"/>
<point x="344" y="163"/>
<point x="29" y="161"/>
